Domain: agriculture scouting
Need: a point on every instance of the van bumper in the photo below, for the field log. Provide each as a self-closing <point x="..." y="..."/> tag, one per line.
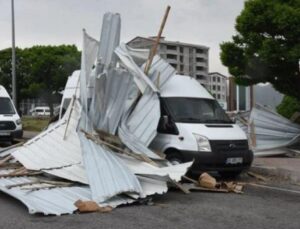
<point x="10" y="135"/>
<point x="216" y="161"/>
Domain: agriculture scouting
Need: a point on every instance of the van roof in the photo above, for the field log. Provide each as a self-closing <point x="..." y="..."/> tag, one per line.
<point x="184" y="86"/>
<point x="3" y="92"/>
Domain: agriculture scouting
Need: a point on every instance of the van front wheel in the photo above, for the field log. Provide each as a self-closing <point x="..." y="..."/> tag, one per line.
<point x="174" y="158"/>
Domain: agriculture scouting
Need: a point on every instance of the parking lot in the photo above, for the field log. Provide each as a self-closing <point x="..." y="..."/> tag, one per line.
<point x="256" y="208"/>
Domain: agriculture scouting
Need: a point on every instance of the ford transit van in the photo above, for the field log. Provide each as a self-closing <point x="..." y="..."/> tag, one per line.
<point x="193" y="126"/>
<point x="10" y="122"/>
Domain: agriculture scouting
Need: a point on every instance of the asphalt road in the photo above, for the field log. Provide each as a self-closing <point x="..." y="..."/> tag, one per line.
<point x="256" y="208"/>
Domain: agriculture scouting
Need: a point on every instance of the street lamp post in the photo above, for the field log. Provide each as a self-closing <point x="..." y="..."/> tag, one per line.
<point x="13" y="59"/>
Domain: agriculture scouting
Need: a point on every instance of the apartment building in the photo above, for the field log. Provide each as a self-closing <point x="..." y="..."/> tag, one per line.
<point x="187" y="59"/>
<point x="217" y="85"/>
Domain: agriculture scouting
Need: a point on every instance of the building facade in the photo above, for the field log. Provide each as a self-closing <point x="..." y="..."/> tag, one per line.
<point x="217" y="85"/>
<point x="187" y="59"/>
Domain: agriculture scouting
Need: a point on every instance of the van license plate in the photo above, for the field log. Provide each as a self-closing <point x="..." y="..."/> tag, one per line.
<point x="4" y="134"/>
<point x="234" y="160"/>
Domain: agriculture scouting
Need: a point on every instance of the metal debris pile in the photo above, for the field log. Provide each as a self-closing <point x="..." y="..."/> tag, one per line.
<point x="97" y="154"/>
<point x="268" y="132"/>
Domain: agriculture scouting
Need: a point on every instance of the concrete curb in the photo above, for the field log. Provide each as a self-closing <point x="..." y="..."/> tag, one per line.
<point x="286" y="174"/>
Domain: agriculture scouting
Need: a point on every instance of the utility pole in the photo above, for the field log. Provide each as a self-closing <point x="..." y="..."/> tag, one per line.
<point x="13" y="58"/>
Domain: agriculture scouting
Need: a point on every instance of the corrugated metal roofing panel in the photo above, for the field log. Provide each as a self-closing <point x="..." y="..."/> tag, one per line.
<point x="141" y="80"/>
<point x="107" y="175"/>
<point x="143" y="120"/>
<point x="109" y="100"/>
<point x="49" y="149"/>
<point x="55" y="201"/>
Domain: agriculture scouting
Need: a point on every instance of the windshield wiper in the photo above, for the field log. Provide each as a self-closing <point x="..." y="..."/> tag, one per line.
<point x="217" y="121"/>
<point x="189" y="119"/>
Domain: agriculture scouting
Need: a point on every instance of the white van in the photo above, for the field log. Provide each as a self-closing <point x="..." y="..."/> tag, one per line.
<point x="42" y="111"/>
<point x="10" y="122"/>
<point x="193" y="126"/>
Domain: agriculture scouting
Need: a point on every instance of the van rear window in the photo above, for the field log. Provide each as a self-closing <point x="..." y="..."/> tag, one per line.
<point x="6" y="106"/>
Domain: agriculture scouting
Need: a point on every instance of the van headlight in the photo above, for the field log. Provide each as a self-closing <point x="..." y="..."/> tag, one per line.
<point x="18" y="121"/>
<point x="203" y="143"/>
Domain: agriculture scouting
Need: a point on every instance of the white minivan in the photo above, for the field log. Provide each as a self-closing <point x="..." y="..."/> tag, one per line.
<point x="42" y="111"/>
<point x="193" y="126"/>
<point x="10" y="122"/>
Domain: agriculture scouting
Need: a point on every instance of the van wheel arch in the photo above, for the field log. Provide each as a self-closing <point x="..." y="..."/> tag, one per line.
<point x="174" y="156"/>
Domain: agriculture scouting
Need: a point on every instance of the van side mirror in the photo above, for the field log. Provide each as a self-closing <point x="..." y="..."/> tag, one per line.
<point x="167" y="126"/>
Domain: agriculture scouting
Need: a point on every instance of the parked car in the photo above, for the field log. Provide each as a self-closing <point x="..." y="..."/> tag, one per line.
<point x="193" y="126"/>
<point x="10" y="122"/>
<point x="42" y="111"/>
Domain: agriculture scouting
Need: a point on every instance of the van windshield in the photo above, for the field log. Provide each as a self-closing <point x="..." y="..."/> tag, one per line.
<point x="6" y="106"/>
<point x="196" y="110"/>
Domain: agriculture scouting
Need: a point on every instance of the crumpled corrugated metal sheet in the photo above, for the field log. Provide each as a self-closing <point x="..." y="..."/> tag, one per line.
<point x="55" y="201"/>
<point x="271" y="131"/>
<point x="112" y="179"/>
<point x="143" y="120"/>
<point x="160" y="72"/>
<point x="109" y="100"/>
<point x="141" y="80"/>
<point x="49" y="149"/>
<point x="107" y="175"/>
<point x="109" y="40"/>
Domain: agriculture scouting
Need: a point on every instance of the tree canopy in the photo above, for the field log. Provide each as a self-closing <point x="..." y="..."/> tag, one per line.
<point x="41" y="70"/>
<point x="266" y="47"/>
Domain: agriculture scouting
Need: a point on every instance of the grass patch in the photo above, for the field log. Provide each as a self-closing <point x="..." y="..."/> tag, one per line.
<point x="34" y="124"/>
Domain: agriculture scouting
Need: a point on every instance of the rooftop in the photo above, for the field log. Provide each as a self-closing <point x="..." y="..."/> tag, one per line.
<point x="163" y="41"/>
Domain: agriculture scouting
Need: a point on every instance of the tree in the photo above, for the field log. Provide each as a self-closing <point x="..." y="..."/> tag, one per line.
<point x="266" y="47"/>
<point x="42" y="71"/>
<point x="288" y="106"/>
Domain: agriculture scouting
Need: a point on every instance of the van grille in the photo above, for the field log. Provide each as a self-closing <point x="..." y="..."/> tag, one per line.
<point x="7" y="125"/>
<point x="228" y="145"/>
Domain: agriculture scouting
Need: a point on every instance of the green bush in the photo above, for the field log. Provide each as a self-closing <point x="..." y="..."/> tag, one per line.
<point x="288" y="106"/>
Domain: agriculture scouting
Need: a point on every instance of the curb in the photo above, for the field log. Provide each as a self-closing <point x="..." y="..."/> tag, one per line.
<point x="286" y="174"/>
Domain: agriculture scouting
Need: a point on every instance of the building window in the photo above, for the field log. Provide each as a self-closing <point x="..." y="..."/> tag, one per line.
<point x="214" y="79"/>
<point x="219" y="80"/>
<point x="181" y="58"/>
<point x="199" y="51"/>
<point x="199" y="59"/>
<point x="218" y="96"/>
<point x="200" y="77"/>
<point x="171" y="47"/>
<point x="214" y="87"/>
<point x="171" y="56"/>
<point x="219" y="88"/>
<point x="174" y="66"/>
<point x="181" y="49"/>
<point x="199" y="68"/>
<point x="181" y="67"/>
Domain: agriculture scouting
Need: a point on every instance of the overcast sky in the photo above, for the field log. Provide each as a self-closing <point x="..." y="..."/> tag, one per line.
<point x="42" y="22"/>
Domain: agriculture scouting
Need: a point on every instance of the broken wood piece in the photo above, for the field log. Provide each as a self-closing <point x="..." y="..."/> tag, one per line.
<point x="257" y="176"/>
<point x="117" y="149"/>
<point x="156" y="43"/>
<point x="26" y="173"/>
<point x="6" y="159"/>
<point x="180" y="186"/>
<point x="191" y="180"/>
<point x="91" y="206"/>
<point x="193" y="187"/>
